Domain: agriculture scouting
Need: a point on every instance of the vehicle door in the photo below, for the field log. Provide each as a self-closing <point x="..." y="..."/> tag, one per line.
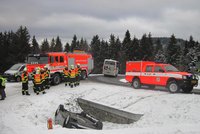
<point x="147" y="75"/>
<point x="160" y="76"/>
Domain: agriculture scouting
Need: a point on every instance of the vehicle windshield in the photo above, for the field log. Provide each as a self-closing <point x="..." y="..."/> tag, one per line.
<point x="37" y="60"/>
<point x="170" y="68"/>
<point x="109" y="63"/>
<point x="15" y="67"/>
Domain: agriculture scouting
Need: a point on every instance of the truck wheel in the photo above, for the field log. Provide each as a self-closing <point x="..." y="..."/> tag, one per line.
<point x="136" y="83"/>
<point x="83" y="75"/>
<point x="18" y="79"/>
<point x="56" y="79"/>
<point x="173" y="87"/>
<point x="187" y="89"/>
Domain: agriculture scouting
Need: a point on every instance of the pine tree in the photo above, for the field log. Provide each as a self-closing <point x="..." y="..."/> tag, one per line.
<point x="67" y="48"/>
<point x="124" y="51"/>
<point x="52" y="45"/>
<point x="58" y="47"/>
<point x="159" y="53"/>
<point x="118" y="48"/>
<point x="134" y="53"/>
<point x="35" y="46"/>
<point x="95" y="51"/>
<point x="74" y="43"/>
<point x="45" y="46"/>
<point x="173" y="51"/>
<point x="22" y="42"/>
<point x="112" y="50"/>
<point x="191" y="43"/>
<point x="83" y="45"/>
<point x="146" y="48"/>
<point x="158" y="46"/>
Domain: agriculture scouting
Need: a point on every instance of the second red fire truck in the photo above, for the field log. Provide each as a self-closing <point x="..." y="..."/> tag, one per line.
<point x="57" y="61"/>
<point x="158" y="74"/>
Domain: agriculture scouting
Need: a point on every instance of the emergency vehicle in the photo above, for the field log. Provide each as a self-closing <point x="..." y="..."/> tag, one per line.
<point x="57" y="61"/>
<point x="153" y="74"/>
<point x="110" y="67"/>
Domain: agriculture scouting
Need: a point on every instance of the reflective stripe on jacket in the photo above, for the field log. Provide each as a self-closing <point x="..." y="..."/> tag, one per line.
<point x="37" y="79"/>
<point x="47" y="74"/>
<point x="72" y="73"/>
<point x="24" y="77"/>
<point x="66" y="73"/>
<point x="3" y="81"/>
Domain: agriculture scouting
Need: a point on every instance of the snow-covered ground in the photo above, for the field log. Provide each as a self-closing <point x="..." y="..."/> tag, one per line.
<point x="164" y="113"/>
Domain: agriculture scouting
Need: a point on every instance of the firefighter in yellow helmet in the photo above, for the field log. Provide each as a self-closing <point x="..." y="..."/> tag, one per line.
<point x="78" y="74"/>
<point x="66" y="75"/>
<point x="25" y="82"/>
<point x="72" y="76"/>
<point x="38" y="81"/>
<point x="43" y="84"/>
<point x="2" y="87"/>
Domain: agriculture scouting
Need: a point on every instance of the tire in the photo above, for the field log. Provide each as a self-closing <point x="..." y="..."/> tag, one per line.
<point x="136" y="83"/>
<point x="56" y="79"/>
<point x="83" y="75"/>
<point x="187" y="89"/>
<point x="99" y="125"/>
<point x="173" y="87"/>
<point x="18" y="79"/>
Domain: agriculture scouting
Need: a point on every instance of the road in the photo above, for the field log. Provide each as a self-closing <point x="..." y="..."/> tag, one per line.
<point x="116" y="81"/>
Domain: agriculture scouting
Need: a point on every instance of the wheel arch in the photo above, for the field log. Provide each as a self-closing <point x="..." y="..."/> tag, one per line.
<point x="171" y="79"/>
<point x="135" y="77"/>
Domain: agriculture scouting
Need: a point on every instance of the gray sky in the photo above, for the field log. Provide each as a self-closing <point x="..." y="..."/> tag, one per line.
<point x="86" y="18"/>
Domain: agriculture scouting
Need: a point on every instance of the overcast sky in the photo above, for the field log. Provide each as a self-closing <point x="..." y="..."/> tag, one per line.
<point x="86" y="18"/>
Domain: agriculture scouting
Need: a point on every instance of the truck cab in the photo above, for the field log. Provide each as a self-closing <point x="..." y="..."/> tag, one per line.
<point x="159" y="74"/>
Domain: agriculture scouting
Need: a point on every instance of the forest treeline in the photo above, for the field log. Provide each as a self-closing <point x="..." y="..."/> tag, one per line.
<point x="15" y="46"/>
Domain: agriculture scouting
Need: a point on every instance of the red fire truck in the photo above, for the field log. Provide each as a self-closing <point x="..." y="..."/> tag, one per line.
<point x="56" y="62"/>
<point x="153" y="74"/>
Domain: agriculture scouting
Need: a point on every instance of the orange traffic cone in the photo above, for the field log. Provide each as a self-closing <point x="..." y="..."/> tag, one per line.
<point x="49" y="123"/>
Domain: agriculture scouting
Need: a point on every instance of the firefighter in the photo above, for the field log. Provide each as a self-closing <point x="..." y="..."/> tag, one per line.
<point x="32" y="77"/>
<point x="2" y="87"/>
<point x="25" y="82"/>
<point x="37" y="80"/>
<point x="66" y="75"/>
<point x="78" y="74"/>
<point x="47" y="75"/>
<point x="72" y="76"/>
<point x="43" y="84"/>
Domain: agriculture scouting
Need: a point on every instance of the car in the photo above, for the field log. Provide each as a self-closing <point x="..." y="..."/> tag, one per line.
<point x="14" y="73"/>
<point x="76" y="120"/>
<point x="151" y="73"/>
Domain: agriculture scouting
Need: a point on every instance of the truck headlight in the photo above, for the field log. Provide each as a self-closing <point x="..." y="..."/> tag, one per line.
<point x="184" y="77"/>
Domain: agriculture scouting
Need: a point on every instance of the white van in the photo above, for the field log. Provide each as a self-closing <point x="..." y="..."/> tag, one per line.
<point x="110" y="67"/>
<point x="15" y="72"/>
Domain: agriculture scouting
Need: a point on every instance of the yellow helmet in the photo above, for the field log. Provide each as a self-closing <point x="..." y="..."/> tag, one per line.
<point x="37" y="71"/>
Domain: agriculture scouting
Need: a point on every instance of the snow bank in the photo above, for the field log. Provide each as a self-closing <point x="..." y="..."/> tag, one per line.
<point x="163" y="112"/>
